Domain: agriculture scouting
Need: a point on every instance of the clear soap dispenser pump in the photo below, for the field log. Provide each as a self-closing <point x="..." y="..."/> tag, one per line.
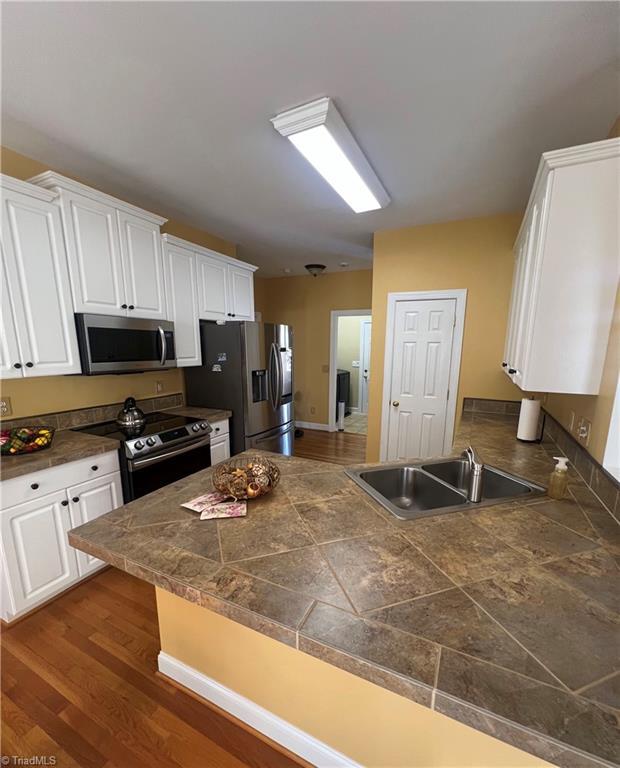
<point x="558" y="480"/>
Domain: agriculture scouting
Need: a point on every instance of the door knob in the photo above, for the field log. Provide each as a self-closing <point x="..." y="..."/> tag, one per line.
<point x="395" y="403"/>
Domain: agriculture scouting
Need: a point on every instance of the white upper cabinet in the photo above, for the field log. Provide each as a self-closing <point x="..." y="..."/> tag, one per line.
<point x="94" y="252"/>
<point x="566" y="272"/>
<point x="114" y="250"/>
<point x="38" y="336"/>
<point x="225" y="285"/>
<point x="143" y="266"/>
<point x="182" y="298"/>
<point x="241" y="293"/>
<point x="212" y="288"/>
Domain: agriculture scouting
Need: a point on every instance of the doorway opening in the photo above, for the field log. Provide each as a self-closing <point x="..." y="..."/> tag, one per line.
<point x="350" y="370"/>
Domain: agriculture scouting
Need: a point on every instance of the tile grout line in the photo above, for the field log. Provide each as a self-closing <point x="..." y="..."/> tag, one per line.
<point x="581" y="691"/>
<point x="519" y="643"/>
<point x="436" y="679"/>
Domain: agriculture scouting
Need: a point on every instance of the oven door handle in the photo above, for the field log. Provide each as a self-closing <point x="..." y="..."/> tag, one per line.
<point x="135" y="464"/>
<point x="164" y="345"/>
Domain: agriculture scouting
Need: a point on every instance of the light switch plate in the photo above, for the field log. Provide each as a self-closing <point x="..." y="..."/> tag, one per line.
<point x="5" y="406"/>
<point x="355" y="364"/>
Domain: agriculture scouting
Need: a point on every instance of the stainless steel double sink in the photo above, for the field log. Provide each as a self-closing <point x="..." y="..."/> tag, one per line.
<point x="412" y="490"/>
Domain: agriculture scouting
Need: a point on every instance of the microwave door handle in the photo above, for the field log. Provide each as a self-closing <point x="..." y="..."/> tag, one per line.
<point x="164" y="345"/>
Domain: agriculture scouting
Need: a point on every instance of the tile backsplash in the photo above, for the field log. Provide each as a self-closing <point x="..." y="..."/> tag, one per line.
<point x="83" y="416"/>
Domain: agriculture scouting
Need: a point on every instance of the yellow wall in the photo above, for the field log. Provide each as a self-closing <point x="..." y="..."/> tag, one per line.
<point x="306" y="302"/>
<point x="475" y="254"/>
<point x="596" y="408"/>
<point x="348" y="350"/>
<point x="58" y="393"/>
<point x="369" y="724"/>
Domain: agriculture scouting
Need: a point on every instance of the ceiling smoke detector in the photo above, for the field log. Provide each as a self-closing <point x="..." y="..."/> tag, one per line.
<point x="315" y="269"/>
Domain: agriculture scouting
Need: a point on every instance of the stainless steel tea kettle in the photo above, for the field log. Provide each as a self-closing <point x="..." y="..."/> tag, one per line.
<point x="130" y="416"/>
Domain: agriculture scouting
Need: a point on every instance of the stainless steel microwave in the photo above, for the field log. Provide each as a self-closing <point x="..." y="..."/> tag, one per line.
<point x="110" y="344"/>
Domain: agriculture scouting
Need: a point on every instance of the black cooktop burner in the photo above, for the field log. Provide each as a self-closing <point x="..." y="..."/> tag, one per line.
<point x="155" y="422"/>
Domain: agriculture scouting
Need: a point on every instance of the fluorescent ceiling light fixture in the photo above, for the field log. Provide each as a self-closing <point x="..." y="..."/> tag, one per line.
<point x="318" y="131"/>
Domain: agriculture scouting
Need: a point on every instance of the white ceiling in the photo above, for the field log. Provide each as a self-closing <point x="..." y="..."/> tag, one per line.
<point x="168" y="105"/>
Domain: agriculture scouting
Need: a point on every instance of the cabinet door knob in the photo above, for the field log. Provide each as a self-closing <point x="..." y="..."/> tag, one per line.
<point x="29" y="364"/>
<point x="217" y="429"/>
<point x="34" y="486"/>
<point x="94" y="467"/>
<point x="233" y="314"/>
<point x="504" y="365"/>
<point x="512" y="370"/>
<point x="131" y="306"/>
<point x="123" y="306"/>
<point x="65" y="503"/>
<point x="17" y="365"/>
<point x="75" y="499"/>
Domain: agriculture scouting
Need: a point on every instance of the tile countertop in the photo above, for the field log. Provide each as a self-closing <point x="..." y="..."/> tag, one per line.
<point x="505" y="618"/>
<point x="209" y="414"/>
<point x="66" y="446"/>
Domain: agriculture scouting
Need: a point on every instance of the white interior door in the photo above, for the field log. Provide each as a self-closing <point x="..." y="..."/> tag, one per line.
<point x="366" y="331"/>
<point x="422" y="350"/>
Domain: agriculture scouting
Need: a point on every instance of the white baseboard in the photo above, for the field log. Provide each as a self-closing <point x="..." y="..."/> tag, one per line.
<point x="313" y="425"/>
<point x="272" y="726"/>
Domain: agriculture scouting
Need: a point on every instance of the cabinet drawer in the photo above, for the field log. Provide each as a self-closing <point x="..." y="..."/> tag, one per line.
<point x="37" y="484"/>
<point x="219" y="428"/>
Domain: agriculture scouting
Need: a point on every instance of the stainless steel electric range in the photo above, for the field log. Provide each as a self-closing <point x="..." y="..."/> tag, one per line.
<point x="164" y="449"/>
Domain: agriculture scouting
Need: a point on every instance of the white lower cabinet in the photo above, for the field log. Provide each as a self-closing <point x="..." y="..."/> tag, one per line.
<point x="220" y="442"/>
<point x="90" y="500"/>
<point x="39" y="561"/>
<point x="38" y="512"/>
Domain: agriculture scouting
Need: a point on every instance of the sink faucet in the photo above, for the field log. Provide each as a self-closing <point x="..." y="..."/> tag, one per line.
<point x="474" y="492"/>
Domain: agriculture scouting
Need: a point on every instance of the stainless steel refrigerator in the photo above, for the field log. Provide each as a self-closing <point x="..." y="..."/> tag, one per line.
<point x="247" y="368"/>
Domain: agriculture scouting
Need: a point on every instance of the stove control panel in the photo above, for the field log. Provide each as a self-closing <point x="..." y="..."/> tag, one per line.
<point x="142" y="446"/>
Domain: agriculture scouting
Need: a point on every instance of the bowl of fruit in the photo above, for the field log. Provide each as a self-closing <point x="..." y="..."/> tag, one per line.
<point x="21" y="440"/>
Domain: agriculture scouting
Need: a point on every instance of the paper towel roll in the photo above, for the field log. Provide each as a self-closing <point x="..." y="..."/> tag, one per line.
<point x="528" y="420"/>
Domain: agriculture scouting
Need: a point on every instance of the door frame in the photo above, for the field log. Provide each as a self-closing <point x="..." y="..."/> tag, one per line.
<point x="360" y="384"/>
<point x="333" y="358"/>
<point x="460" y="296"/>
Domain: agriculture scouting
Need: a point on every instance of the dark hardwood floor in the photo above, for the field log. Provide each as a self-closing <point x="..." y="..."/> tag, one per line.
<point x="79" y="682"/>
<point x="338" y="447"/>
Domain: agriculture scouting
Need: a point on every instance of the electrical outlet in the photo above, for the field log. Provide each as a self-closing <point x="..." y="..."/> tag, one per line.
<point x="312" y="410"/>
<point x="571" y="421"/>
<point x="5" y="406"/>
<point x="583" y="431"/>
<point x="325" y="368"/>
<point x="159" y="386"/>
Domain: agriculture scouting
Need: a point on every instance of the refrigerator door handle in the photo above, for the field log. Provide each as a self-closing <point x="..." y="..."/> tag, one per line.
<point x="280" y="372"/>
<point x="274" y="378"/>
